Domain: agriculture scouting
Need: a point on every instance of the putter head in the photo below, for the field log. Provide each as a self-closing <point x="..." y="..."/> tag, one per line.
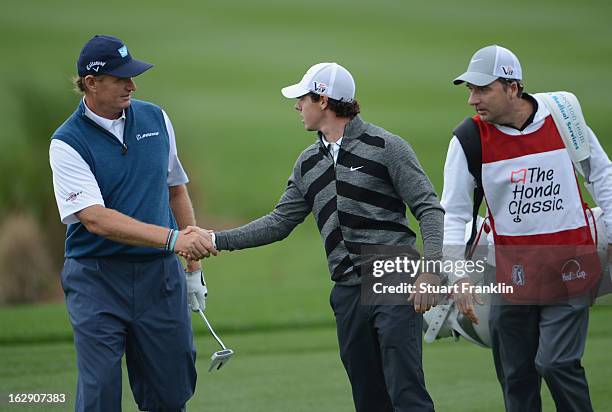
<point x="219" y="359"/>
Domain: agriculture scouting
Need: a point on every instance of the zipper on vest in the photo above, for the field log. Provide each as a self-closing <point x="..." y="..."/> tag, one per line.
<point x="123" y="145"/>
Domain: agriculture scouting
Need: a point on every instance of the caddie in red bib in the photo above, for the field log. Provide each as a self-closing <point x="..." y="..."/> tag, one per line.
<point x="520" y="154"/>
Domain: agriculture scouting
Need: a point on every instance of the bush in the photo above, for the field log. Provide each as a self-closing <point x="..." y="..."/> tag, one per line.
<point x="26" y="270"/>
<point x="30" y="258"/>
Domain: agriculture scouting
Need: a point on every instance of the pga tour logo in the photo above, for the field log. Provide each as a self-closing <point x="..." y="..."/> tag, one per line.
<point x="95" y="66"/>
<point x="319" y="87"/>
<point x="518" y="275"/>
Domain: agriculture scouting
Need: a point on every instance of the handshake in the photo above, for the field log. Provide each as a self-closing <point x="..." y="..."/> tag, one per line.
<point x="194" y="243"/>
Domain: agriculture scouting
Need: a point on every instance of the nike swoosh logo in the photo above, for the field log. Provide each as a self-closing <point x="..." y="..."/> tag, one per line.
<point x="355" y="168"/>
<point x="475" y="60"/>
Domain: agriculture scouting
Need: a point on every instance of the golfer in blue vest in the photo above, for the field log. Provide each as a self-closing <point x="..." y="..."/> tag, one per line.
<point x="121" y="190"/>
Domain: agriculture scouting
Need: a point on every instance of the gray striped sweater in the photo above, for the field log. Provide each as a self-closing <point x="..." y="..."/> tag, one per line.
<point x="360" y="201"/>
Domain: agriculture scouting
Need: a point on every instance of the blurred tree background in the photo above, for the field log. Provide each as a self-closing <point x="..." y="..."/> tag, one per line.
<point x="31" y="236"/>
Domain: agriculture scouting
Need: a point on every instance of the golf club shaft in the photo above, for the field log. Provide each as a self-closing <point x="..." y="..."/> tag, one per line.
<point x="211" y="329"/>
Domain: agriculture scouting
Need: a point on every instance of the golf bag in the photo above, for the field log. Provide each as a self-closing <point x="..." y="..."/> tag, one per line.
<point x="445" y="320"/>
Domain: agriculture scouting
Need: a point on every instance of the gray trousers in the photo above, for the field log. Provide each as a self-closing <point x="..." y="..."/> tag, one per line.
<point x="381" y="349"/>
<point x="533" y="342"/>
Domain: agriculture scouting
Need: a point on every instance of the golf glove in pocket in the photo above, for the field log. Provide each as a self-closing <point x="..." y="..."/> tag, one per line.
<point x="196" y="290"/>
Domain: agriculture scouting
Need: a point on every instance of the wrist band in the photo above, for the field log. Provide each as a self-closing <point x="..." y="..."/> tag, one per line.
<point x="168" y="238"/>
<point x="175" y="236"/>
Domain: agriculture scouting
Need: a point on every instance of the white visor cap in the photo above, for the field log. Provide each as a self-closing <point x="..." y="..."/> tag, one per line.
<point x="329" y="79"/>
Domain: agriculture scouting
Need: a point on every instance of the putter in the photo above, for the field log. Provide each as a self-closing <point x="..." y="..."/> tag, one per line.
<point x="221" y="357"/>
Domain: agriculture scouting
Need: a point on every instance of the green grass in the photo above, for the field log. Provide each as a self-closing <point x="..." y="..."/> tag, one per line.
<point x="300" y="370"/>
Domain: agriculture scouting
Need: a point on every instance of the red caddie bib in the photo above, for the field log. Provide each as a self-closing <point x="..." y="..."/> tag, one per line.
<point x="543" y="244"/>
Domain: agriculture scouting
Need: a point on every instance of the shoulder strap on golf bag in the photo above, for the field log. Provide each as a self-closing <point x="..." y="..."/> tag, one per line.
<point x="469" y="137"/>
<point x="567" y="115"/>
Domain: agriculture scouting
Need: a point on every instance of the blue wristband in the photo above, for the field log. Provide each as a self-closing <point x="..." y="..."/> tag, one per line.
<point x="168" y="238"/>
<point x="175" y="236"/>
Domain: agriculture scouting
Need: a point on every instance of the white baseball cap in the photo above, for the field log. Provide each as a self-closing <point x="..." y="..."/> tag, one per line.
<point x="490" y="63"/>
<point x="329" y="79"/>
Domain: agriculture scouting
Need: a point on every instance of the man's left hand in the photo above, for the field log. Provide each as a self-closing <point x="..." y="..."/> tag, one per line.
<point x="424" y="301"/>
<point x="196" y="290"/>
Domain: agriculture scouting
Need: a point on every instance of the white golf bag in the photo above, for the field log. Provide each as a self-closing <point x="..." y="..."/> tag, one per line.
<point x="445" y="320"/>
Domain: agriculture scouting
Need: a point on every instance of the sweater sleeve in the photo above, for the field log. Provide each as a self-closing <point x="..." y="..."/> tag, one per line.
<point x="416" y="190"/>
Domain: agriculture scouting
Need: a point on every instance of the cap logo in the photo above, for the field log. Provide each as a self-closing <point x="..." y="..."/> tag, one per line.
<point x="319" y="87"/>
<point x="508" y="70"/>
<point x="123" y="51"/>
<point x="95" y="66"/>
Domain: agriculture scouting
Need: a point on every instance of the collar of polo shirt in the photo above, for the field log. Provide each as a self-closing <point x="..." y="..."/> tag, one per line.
<point x="107" y="124"/>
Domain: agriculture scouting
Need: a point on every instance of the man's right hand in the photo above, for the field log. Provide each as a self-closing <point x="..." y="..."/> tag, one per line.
<point x="194" y="243"/>
<point x="465" y="301"/>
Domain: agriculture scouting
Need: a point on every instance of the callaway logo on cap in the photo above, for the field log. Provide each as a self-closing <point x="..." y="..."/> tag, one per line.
<point x="108" y="55"/>
<point x="490" y="63"/>
<point x="329" y="79"/>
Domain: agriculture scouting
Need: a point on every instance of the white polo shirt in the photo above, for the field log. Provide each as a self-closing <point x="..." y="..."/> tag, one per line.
<point x="73" y="179"/>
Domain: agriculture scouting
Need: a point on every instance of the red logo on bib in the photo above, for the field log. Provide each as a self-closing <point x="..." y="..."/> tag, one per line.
<point x="518" y="176"/>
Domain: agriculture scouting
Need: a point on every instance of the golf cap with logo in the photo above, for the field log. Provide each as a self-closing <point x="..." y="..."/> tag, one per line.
<point x="329" y="79"/>
<point x="490" y="63"/>
<point x="108" y="55"/>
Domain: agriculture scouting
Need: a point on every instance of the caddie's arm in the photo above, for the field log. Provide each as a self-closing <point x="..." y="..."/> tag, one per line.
<point x="458" y="202"/>
<point x="601" y="183"/>
<point x="457" y="199"/>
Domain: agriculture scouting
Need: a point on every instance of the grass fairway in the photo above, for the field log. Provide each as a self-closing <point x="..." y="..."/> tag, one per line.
<point x="300" y="370"/>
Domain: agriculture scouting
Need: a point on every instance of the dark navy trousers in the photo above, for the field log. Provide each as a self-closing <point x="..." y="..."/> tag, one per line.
<point x="381" y="349"/>
<point x="137" y="308"/>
